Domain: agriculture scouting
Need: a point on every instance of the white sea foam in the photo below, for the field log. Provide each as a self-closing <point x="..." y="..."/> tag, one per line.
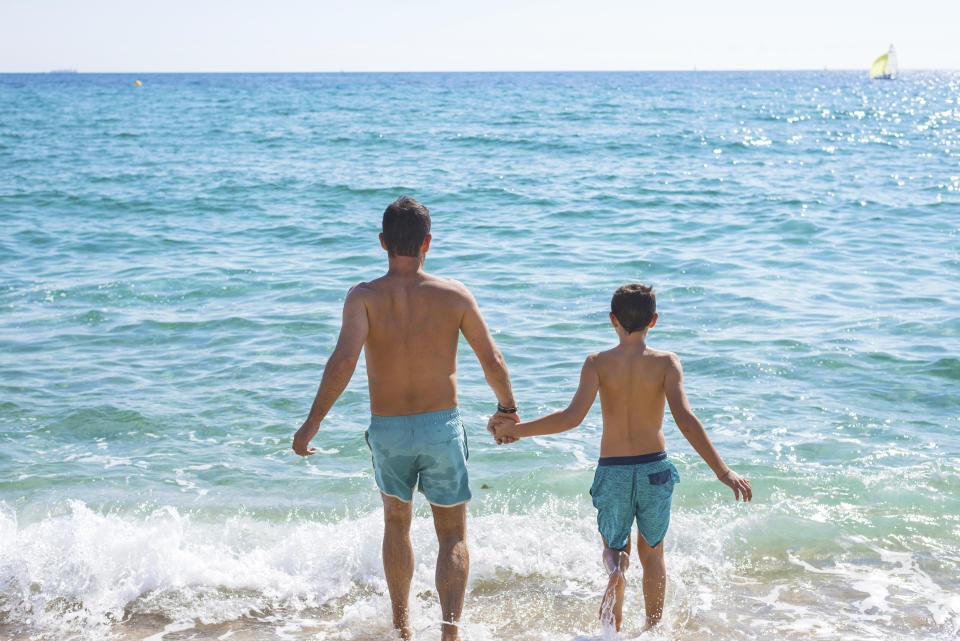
<point x="534" y="575"/>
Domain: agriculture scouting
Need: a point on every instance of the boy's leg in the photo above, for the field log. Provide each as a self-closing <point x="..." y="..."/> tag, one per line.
<point x="453" y="564"/>
<point x="616" y="562"/>
<point x="398" y="559"/>
<point x="654" y="579"/>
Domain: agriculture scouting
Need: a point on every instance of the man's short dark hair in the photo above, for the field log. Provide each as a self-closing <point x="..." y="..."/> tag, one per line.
<point x="406" y="224"/>
<point x="634" y="306"/>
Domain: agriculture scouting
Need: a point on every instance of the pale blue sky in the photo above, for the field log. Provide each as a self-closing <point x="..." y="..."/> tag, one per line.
<point x="429" y="35"/>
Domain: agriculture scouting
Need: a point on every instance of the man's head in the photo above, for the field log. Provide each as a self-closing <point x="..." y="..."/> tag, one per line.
<point x="406" y="228"/>
<point x="634" y="308"/>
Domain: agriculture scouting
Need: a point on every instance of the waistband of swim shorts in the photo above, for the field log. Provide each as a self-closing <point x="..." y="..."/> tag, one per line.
<point x="415" y="420"/>
<point x="632" y="460"/>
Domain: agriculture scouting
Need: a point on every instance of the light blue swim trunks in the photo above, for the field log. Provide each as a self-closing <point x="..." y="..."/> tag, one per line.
<point x="428" y="450"/>
<point x="633" y="487"/>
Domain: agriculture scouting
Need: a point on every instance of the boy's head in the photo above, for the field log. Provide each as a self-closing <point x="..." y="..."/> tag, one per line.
<point x="634" y="307"/>
<point x="406" y="228"/>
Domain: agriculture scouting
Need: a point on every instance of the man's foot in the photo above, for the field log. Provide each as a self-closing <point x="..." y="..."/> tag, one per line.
<point x="611" y="606"/>
<point x="404" y="631"/>
<point x="450" y="632"/>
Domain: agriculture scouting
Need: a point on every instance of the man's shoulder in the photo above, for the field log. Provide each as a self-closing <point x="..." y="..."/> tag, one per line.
<point x="450" y="286"/>
<point x="361" y="289"/>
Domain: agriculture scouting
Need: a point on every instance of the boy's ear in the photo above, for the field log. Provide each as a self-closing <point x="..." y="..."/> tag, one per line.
<point x="382" y="243"/>
<point x="653" y="321"/>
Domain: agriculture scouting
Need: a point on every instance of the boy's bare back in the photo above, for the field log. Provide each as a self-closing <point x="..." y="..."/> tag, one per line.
<point x="632" y="382"/>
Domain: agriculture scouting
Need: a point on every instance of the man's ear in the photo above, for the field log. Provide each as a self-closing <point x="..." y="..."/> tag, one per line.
<point x="653" y="321"/>
<point x="382" y="243"/>
<point x="613" y="319"/>
<point x="426" y="244"/>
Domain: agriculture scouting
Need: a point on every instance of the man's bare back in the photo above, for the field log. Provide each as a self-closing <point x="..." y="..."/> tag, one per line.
<point x="415" y="322"/>
<point x="408" y="323"/>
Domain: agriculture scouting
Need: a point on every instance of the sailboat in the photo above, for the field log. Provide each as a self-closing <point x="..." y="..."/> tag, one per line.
<point x="885" y="67"/>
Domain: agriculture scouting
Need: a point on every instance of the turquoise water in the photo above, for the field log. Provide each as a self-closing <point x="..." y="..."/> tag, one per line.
<point x="173" y="260"/>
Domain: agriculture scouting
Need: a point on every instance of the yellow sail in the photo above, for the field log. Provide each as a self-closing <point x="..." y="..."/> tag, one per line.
<point x="879" y="66"/>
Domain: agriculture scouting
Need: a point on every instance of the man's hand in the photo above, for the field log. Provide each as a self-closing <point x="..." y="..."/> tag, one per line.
<point x="505" y="431"/>
<point x="301" y="440"/>
<point x="740" y="486"/>
<point x="500" y="418"/>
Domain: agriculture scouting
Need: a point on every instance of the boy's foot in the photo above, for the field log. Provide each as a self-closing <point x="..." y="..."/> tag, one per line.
<point x="611" y="606"/>
<point x="650" y="624"/>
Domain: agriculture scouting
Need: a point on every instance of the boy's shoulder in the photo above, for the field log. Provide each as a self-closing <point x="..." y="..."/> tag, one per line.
<point x="657" y="355"/>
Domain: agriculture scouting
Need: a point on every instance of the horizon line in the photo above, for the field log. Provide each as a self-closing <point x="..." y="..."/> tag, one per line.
<point x="69" y="71"/>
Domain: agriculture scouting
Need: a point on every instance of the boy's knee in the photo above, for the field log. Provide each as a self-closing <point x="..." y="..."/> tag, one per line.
<point x="616" y="560"/>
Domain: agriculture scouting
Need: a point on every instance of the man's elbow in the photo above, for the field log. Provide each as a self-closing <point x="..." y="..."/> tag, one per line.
<point x="494" y="365"/>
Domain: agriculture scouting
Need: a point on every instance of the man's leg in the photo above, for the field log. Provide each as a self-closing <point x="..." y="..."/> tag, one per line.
<point x="654" y="579"/>
<point x="616" y="562"/>
<point x="398" y="559"/>
<point x="453" y="564"/>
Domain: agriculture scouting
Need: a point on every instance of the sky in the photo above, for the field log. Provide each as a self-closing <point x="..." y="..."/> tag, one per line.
<point x="481" y="35"/>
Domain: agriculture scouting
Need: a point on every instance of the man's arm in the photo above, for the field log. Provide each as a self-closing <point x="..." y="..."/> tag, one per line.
<point x="338" y="370"/>
<point x="692" y="430"/>
<point x="562" y="420"/>
<point x="491" y="360"/>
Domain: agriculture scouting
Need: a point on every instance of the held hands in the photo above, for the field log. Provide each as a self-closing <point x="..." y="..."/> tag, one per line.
<point x="740" y="486"/>
<point x="498" y="425"/>
<point x="301" y="440"/>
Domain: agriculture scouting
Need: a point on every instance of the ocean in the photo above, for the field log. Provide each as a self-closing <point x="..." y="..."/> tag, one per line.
<point x="173" y="262"/>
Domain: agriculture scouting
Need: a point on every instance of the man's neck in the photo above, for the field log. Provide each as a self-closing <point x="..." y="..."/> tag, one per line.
<point x="405" y="266"/>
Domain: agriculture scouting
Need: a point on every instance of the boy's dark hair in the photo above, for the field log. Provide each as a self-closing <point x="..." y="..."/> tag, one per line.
<point x="406" y="224"/>
<point x="634" y="306"/>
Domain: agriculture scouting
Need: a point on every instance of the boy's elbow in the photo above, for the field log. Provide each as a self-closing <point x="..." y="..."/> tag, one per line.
<point x="342" y="365"/>
<point x="687" y="423"/>
<point x="571" y="418"/>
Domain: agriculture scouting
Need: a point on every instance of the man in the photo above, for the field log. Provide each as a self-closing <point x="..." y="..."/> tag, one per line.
<point x="409" y="323"/>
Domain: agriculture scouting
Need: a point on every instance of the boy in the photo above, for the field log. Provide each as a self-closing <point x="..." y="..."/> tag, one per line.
<point x="634" y="478"/>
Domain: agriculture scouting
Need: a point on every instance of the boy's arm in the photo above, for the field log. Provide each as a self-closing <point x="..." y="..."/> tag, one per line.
<point x="562" y="420"/>
<point x="693" y="431"/>
<point x="338" y="370"/>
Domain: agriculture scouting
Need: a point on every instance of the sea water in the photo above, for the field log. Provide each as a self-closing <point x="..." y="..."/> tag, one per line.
<point x="173" y="262"/>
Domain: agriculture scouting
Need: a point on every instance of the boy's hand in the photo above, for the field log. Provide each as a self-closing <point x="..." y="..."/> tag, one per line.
<point x="499" y="419"/>
<point x="739" y="485"/>
<point x="301" y="440"/>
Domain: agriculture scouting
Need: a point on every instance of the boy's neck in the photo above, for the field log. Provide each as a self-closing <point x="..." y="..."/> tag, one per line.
<point x="635" y="339"/>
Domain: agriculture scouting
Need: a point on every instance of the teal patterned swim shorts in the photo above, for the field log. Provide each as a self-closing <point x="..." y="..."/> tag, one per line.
<point x="427" y="450"/>
<point x="633" y="487"/>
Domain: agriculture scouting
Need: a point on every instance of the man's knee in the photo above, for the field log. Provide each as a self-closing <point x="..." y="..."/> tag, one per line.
<point x="450" y="524"/>
<point x="397" y="514"/>
<point x="450" y="536"/>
